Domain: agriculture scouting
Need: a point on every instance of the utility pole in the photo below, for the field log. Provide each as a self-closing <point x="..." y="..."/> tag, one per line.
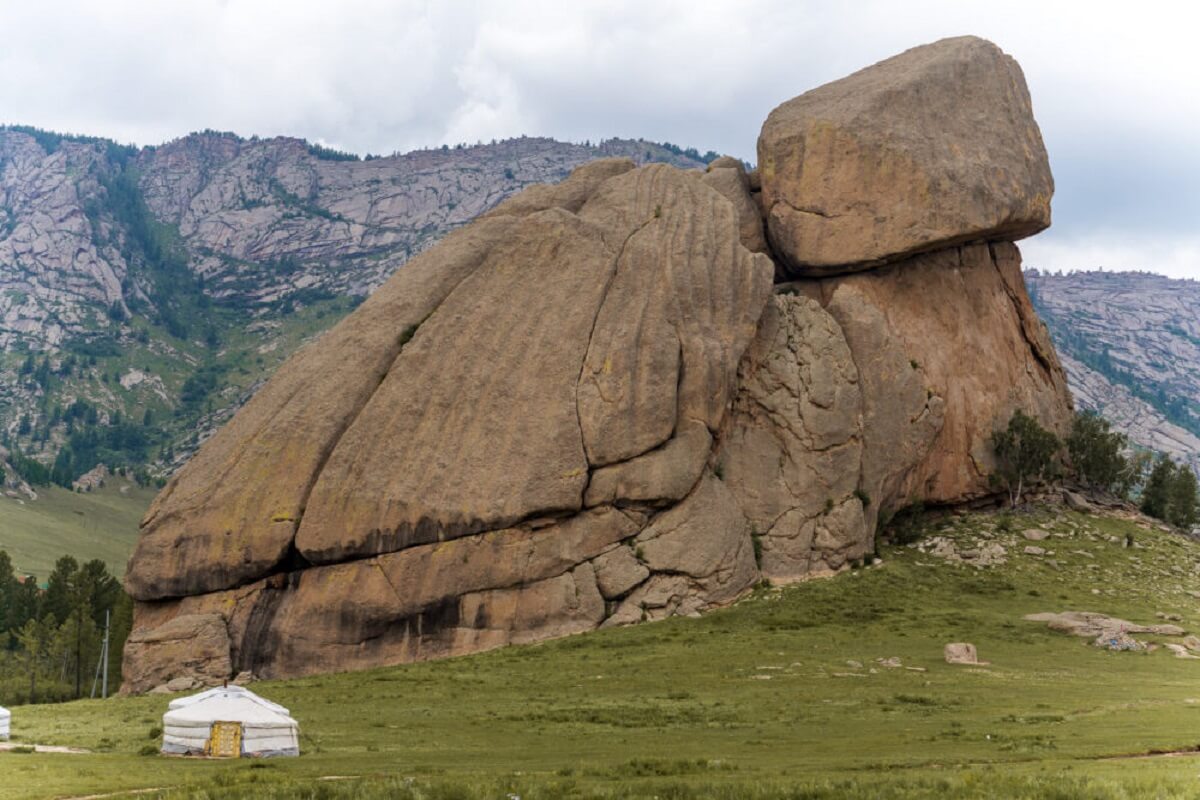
<point x="102" y="664"/>
<point x="107" y="612"/>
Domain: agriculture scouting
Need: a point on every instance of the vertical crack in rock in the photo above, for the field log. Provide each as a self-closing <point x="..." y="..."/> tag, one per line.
<point x="294" y="554"/>
<point x="1051" y="370"/>
<point x="591" y="335"/>
<point x="623" y="401"/>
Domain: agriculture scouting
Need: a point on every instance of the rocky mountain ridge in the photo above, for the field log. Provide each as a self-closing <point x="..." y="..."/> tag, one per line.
<point x="171" y="280"/>
<point x="629" y="395"/>
<point x="1130" y="342"/>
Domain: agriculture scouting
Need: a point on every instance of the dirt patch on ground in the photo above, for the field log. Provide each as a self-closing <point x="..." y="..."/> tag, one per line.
<point x="1190" y="751"/>
<point x="41" y="748"/>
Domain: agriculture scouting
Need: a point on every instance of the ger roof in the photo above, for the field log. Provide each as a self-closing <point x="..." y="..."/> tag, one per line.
<point x="227" y="703"/>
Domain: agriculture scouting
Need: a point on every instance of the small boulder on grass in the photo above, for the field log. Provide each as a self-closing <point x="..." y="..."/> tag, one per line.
<point x="184" y="683"/>
<point x="962" y="653"/>
<point x="1181" y="652"/>
<point x="1077" y="502"/>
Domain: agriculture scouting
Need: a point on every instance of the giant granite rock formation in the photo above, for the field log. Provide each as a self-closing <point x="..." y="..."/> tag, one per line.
<point x="584" y="409"/>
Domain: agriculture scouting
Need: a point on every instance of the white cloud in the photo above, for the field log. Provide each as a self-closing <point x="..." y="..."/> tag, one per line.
<point x="1114" y="86"/>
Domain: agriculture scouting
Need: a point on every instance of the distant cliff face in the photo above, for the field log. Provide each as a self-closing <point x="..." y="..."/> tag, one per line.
<point x="174" y="279"/>
<point x="1131" y="344"/>
<point x="610" y="400"/>
<point x="264" y="218"/>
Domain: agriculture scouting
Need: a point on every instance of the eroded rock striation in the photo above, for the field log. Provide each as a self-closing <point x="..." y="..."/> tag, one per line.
<point x="595" y="406"/>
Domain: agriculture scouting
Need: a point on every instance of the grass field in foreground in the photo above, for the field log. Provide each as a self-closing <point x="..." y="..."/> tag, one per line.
<point x="758" y="700"/>
<point x="101" y="524"/>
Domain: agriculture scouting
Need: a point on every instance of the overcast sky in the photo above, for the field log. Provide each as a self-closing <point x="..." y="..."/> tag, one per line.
<point x="1116" y="86"/>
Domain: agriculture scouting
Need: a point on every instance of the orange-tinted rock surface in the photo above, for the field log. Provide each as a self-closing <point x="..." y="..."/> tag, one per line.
<point x="591" y="407"/>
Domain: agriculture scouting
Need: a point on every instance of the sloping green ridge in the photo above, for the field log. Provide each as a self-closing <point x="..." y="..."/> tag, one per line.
<point x="759" y="700"/>
<point x="101" y="524"/>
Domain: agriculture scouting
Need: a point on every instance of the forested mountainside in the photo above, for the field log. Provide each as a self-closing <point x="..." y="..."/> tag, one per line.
<point x="1130" y="342"/>
<point x="146" y="292"/>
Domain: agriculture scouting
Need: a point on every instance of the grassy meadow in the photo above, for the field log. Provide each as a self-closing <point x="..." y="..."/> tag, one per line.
<point x="780" y="696"/>
<point x="101" y="524"/>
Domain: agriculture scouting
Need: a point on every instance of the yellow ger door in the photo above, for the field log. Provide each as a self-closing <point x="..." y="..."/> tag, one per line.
<point x="225" y="740"/>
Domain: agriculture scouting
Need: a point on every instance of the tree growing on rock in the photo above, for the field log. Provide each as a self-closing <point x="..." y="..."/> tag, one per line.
<point x="1097" y="452"/>
<point x="1025" y="453"/>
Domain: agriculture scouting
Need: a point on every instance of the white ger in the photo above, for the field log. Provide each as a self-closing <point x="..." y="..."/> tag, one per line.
<point x="5" y="720"/>
<point x="229" y="722"/>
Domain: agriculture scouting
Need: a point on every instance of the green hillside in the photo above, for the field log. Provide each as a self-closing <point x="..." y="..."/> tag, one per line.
<point x="783" y="695"/>
<point x="101" y="524"/>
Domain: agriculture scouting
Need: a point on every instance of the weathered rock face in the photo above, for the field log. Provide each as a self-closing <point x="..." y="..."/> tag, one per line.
<point x="728" y="176"/>
<point x="934" y="147"/>
<point x="230" y="515"/>
<point x="948" y="346"/>
<point x="793" y="453"/>
<point x="631" y="318"/>
<point x="193" y="645"/>
<point x="588" y="408"/>
<point x="51" y="269"/>
<point x="456" y="420"/>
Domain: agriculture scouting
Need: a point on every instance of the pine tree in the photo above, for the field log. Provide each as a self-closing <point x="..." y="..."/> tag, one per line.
<point x="26" y="604"/>
<point x="59" y="602"/>
<point x="101" y="590"/>
<point x="1183" y="511"/>
<point x="1156" y="495"/>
